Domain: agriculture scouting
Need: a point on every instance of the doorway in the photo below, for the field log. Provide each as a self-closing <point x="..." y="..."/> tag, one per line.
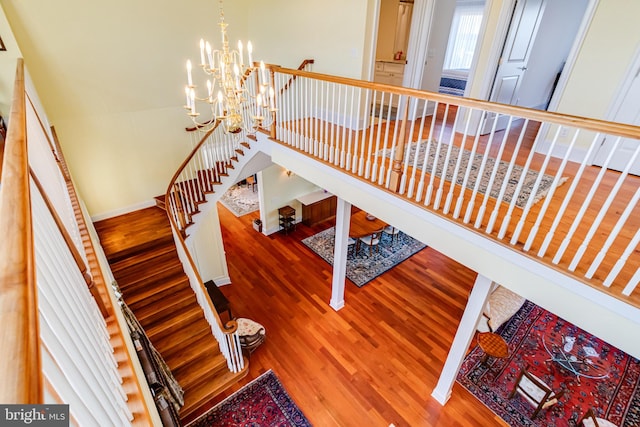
<point x="623" y="152"/>
<point x="540" y="38"/>
<point x="558" y="28"/>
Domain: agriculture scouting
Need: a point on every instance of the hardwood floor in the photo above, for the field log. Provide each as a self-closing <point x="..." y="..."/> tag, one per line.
<point x="372" y="363"/>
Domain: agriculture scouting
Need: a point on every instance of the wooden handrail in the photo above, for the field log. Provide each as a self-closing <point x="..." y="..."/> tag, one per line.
<point x="300" y="68"/>
<point x="595" y="125"/>
<point x="20" y="366"/>
<point x="231" y="326"/>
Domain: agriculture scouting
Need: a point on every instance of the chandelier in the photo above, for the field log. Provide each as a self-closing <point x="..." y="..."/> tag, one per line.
<point x="240" y="104"/>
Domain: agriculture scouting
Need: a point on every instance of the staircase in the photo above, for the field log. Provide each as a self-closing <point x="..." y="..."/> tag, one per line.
<point x="191" y="186"/>
<point x="141" y="252"/>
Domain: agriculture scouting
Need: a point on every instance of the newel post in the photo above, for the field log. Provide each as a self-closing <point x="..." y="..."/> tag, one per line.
<point x="396" y="168"/>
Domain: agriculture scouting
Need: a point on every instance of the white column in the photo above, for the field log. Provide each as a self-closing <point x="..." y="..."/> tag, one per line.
<point x="461" y="341"/>
<point x="343" y="219"/>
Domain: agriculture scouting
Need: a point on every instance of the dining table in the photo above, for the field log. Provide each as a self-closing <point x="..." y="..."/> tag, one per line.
<point x="364" y="224"/>
<point x="576" y="355"/>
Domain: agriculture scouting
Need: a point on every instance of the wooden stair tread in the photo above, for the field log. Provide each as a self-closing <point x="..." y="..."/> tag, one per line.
<point x="151" y="278"/>
<point x="127" y="252"/>
<point x="159" y="255"/>
<point x="205" y="391"/>
<point x="157" y="332"/>
<point x="172" y="284"/>
<point x="199" y="336"/>
<point x="161" y="293"/>
<point x="210" y="361"/>
<point x="150" y="274"/>
<point x="159" y="313"/>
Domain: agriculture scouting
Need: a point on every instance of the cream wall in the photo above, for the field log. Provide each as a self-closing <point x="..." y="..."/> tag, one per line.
<point x="111" y="77"/>
<point x="603" y="60"/>
<point x="207" y="247"/>
<point x="7" y="66"/>
<point x="280" y="190"/>
<point x="386" y="30"/>
<point x="332" y="32"/>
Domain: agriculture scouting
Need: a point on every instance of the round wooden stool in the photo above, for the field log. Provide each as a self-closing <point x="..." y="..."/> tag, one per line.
<point x="492" y="345"/>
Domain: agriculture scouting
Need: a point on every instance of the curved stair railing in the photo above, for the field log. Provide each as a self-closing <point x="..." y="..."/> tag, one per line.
<point x="214" y="155"/>
<point x="204" y="168"/>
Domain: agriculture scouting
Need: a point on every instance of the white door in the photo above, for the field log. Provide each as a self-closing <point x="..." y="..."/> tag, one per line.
<point x="524" y="26"/>
<point x="628" y="112"/>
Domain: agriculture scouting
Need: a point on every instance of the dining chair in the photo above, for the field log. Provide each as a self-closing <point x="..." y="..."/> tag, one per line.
<point x="591" y="420"/>
<point x="534" y="391"/>
<point x="392" y="231"/>
<point x="373" y="241"/>
<point x="251" y="182"/>
<point x="352" y="246"/>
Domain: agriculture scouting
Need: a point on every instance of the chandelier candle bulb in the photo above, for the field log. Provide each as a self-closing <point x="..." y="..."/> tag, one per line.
<point x="236" y="72"/>
<point x="250" y="51"/>
<point x="202" y="63"/>
<point x="209" y="56"/>
<point x="189" y="80"/>
<point x="210" y="90"/>
<point x="263" y="72"/>
<point x="272" y="101"/>
<point x="186" y="92"/>
<point x="192" y="94"/>
<point x="258" y="104"/>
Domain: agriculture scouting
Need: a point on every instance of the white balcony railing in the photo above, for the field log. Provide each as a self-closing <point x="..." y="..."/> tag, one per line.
<point x="565" y="212"/>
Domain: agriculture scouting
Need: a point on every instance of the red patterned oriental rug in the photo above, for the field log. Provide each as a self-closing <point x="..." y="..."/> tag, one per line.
<point x="261" y="403"/>
<point x="607" y="379"/>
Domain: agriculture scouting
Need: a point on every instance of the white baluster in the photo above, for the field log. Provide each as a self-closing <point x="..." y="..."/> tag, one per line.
<point x="598" y="220"/>
<point x="428" y="150"/>
<point x="578" y="218"/>
<point x="420" y="143"/>
<point x="487" y="193"/>
<point x="633" y="283"/>
<point x="368" y="166"/>
<point x="407" y="145"/>
<point x="445" y="168"/>
<point x="355" y="128"/>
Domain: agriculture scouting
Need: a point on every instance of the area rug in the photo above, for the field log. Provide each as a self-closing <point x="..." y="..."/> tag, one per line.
<point x="362" y="268"/>
<point x="511" y="183"/>
<point x="240" y="200"/>
<point x="616" y="397"/>
<point x="261" y="403"/>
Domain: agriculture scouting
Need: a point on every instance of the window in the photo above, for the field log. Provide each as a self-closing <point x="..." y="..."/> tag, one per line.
<point x="463" y="36"/>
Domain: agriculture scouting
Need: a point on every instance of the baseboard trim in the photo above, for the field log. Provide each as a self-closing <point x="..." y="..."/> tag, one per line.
<point x="124" y="210"/>
<point x="578" y="154"/>
<point x="222" y="281"/>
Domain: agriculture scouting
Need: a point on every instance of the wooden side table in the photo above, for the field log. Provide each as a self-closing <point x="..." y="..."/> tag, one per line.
<point x="287" y="218"/>
<point x="492" y="345"/>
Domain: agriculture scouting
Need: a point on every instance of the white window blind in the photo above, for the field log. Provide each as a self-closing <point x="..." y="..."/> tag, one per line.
<point x="463" y="36"/>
